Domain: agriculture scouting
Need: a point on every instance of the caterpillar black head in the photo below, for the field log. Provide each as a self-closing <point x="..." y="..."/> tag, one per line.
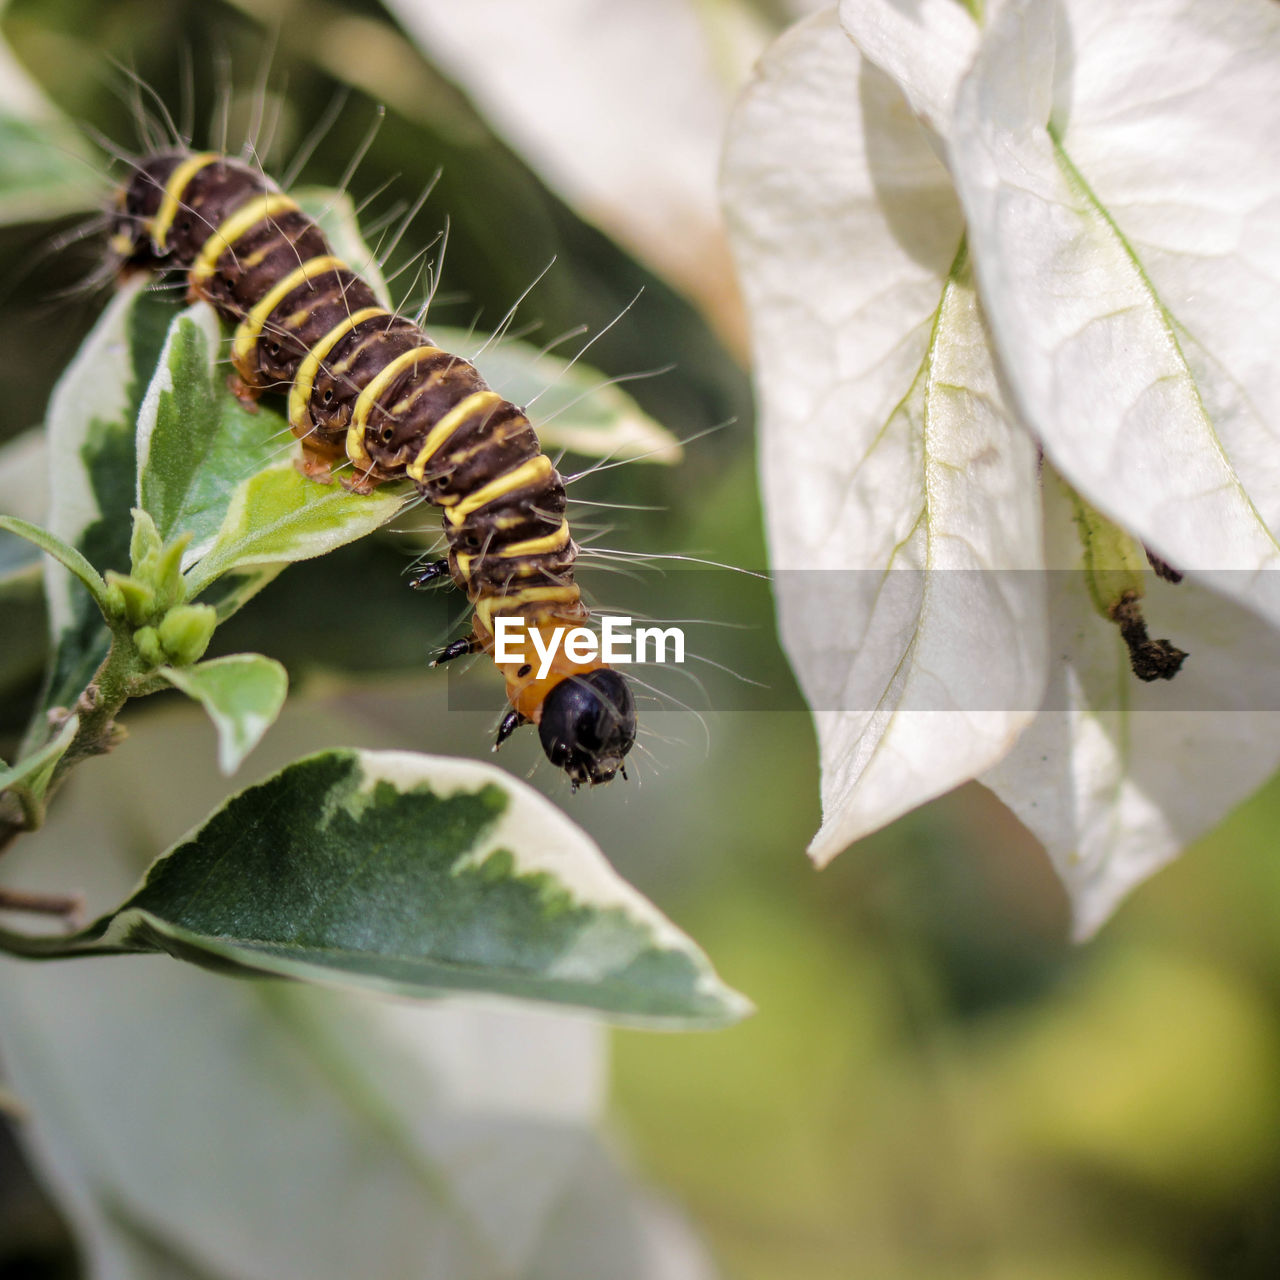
<point x="588" y="725"/>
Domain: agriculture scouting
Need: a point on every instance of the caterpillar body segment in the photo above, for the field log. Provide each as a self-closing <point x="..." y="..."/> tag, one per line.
<point x="367" y="386"/>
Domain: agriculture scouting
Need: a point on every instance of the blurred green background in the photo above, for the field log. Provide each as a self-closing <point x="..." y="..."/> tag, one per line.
<point x="937" y="1084"/>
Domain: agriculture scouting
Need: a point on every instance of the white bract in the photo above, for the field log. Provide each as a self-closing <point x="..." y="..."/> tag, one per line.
<point x="1108" y="177"/>
<point x="641" y="164"/>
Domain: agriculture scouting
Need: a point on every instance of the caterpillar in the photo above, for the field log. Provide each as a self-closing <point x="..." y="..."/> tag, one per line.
<point x="367" y="385"/>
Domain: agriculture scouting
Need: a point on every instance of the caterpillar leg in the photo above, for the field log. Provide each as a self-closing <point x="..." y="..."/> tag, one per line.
<point x="458" y="649"/>
<point x="316" y="464"/>
<point x="510" y="723"/>
<point x="435" y="572"/>
<point x="361" y="483"/>
<point x="244" y="391"/>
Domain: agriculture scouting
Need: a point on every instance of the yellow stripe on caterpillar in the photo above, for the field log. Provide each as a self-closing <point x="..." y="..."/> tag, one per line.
<point x="460" y="413"/>
<point x="171" y="201"/>
<point x="554" y="541"/>
<point x="367" y="398"/>
<point x="245" y="218"/>
<point x="250" y="328"/>
<point x="304" y="380"/>
<point x="487" y="606"/>
<point x="536" y="470"/>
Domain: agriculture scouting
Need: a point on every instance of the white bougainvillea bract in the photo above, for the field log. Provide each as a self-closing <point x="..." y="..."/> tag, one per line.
<point x="1001" y="271"/>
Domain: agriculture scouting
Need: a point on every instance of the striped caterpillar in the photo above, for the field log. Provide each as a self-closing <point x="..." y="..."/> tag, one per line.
<point x="369" y="385"/>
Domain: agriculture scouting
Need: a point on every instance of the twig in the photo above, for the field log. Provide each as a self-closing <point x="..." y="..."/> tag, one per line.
<point x="70" y="906"/>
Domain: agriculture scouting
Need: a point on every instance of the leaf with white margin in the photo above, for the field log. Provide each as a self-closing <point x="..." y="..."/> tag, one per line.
<point x="1117" y="166"/>
<point x="1115" y="776"/>
<point x="901" y="499"/>
<point x="91" y="428"/>
<point x="205" y="468"/>
<point x="242" y="693"/>
<point x="279" y="515"/>
<point x="460" y="1142"/>
<point x="196" y="442"/>
<point x="410" y="875"/>
<point x="573" y="406"/>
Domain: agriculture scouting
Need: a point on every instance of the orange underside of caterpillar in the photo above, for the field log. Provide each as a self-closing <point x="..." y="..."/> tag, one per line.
<point x="369" y="387"/>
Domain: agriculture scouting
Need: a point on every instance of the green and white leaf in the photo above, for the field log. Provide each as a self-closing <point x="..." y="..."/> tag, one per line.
<point x="196" y="441"/>
<point x="1125" y="240"/>
<point x="91" y="430"/>
<point x="460" y="1142"/>
<point x="209" y="467"/>
<point x="411" y="875"/>
<point x="278" y="516"/>
<point x="242" y="693"/>
<point x="573" y="406"/>
<point x="901" y="496"/>
<point x="1115" y="776"/>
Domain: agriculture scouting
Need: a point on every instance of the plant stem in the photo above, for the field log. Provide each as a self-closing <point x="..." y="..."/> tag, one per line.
<point x="122" y="675"/>
<point x="68" y="905"/>
<point x="1115" y="573"/>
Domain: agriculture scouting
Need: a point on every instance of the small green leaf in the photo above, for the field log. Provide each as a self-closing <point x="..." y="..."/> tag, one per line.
<point x="196" y="441"/>
<point x="243" y="695"/>
<point x="412" y="875"/>
<point x="147" y="642"/>
<point x="34" y="771"/>
<point x="129" y="598"/>
<point x="146" y="544"/>
<point x="185" y="632"/>
<point x="278" y="516"/>
<point x="65" y="555"/>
